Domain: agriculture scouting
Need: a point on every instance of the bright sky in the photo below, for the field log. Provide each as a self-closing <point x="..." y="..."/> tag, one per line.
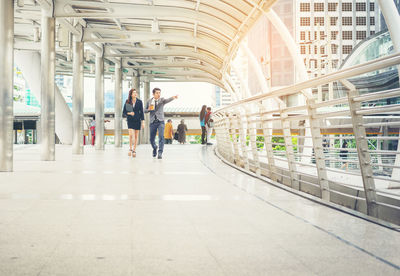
<point x="191" y="94"/>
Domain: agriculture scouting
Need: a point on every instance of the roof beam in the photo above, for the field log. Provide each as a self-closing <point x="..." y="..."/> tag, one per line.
<point x="163" y="64"/>
<point x="225" y="26"/>
<point x="143" y="52"/>
<point x="169" y="38"/>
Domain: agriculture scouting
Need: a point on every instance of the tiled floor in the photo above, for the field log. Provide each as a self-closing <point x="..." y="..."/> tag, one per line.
<point x="189" y="214"/>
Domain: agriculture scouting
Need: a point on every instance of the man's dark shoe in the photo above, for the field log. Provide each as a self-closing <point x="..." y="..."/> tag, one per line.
<point x="159" y="156"/>
<point x="155" y="152"/>
<point x="209" y="144"/>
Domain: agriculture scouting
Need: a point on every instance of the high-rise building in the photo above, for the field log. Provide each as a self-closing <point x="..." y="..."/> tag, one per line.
<point x="222" y="97"/>
<point x="338" y="25"/>
<point x="270" y="50"/>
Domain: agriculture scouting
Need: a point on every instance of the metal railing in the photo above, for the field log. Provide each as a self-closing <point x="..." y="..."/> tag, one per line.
<point x="342" y="150"/>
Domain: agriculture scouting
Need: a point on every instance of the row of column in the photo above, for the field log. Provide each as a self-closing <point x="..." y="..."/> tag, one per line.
<point x="47" y="120"/>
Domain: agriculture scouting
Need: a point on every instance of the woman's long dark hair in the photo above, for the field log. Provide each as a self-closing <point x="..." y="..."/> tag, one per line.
<point x="129" y="100"/>
<point x="203" y="112"/>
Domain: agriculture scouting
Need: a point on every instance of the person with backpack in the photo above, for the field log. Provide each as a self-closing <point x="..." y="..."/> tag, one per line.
<point x="209" y="123"/>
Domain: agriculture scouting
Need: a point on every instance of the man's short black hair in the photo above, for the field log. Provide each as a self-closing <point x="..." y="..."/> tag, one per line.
<point x="208" y="108"/>
<point x="169" y="120"/>
<point x="156" y="89"/>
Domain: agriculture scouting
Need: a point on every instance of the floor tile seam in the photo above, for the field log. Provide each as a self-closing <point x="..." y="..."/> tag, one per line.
<point x="383" y="260"/>
<point x="193" y="224"/>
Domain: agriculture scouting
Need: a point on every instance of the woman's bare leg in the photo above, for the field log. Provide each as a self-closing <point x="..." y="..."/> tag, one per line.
<point x="136" y="139"/>
<point x="130" y="140"/>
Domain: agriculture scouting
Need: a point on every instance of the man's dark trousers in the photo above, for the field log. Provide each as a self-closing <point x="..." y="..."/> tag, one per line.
<point x="154" y="126"/>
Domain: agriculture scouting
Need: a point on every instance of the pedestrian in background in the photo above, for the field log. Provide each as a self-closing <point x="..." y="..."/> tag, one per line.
<point x="202" y="118"/>
<point x="209" y="122"/>
<point x="169" y="132"/>
<point x="182" y="128"/>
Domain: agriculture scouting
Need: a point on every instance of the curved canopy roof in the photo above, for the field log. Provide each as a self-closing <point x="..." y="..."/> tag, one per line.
<point x="178" y="40"/>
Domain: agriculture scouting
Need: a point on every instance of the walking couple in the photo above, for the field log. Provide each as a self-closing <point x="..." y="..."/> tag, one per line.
<point x="207" y="124"/>
<point x="134" y="111"/>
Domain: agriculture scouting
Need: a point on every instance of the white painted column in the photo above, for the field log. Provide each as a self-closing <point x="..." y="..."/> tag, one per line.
<point x="118" y="106"/>
<point x="6" y="85"/>
<point x="77" y="98"/>
<point x="47" y="119"/>
<point x="99" y="102"/>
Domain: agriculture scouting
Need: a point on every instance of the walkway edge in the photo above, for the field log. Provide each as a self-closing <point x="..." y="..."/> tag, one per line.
<point x="343" y="209"/>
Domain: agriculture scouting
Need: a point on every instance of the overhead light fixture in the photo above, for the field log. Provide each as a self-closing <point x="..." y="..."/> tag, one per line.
<point x="69" y="55"/>
<point x="20" y="3"/>
<point x="87" y="55"/>
<point x="36" y="34"/>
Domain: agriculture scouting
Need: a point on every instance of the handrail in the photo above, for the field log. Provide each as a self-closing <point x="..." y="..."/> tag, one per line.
<point x="349" y="72"/>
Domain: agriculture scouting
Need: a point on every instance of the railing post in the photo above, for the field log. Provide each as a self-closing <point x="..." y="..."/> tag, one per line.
<point x="252" y="126"/>
<point x="287" y="135"/>
<point x="364" y="157"/>
<point x="267" y="133"/>
<point x="233" y="133"/>
<point x="315" y="130"/>
<point x="226" y="138"/>
<point x="242" y="138"/>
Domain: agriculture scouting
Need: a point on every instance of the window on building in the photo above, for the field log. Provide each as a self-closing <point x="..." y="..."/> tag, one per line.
<point x="318" y="7"/>
<point x="319" y="20"/>
<point x="304" y="7"/>
<point x="347" y="21"/>
<point x="302" y="35"/>
<point x="347" y="35"/>
<point x="334" y="48"/>
<point x="361" y="6"/>
<point x="304" y="21"/>
<point x="303" y="49"/>
<point x="347" y="49"/>
<point x="322" y="51"/>
<point x="335" y="63"/>
<point x="321" y="35"/>
<point x="372" y="6"/>
<point x="360" y="35"/>
<point x="372" y="32"/>
<point x="347" y="7"/>
<point x="332" y="7"/>
<point x="334" y="35"/>
<point x="361" y="21"/>
<point x="334" y="21"/>
<point x="372" y="21"/>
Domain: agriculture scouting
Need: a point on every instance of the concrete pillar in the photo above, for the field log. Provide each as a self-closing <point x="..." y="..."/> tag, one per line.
<point x="136" y="84"/>
<point x="99" y="103"/>
<point x="6" y="85"/>
<point x="29" y="63"/>
<point x="77" y="99"/>
<point x="47" y="120"/>
<point x="147" y="96"/>
<point x="118" y="106"/>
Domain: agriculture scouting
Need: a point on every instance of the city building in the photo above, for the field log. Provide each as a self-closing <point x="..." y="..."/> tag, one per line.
<point x="328" y="31"/>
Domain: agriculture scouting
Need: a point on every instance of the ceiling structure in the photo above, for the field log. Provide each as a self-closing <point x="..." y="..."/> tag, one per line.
<point x="168" y="40"/>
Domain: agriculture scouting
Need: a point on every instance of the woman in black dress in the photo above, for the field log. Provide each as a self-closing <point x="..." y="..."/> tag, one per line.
<point x="133" y="111"/>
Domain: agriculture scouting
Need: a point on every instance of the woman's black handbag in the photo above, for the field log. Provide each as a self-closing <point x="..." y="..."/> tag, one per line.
<point x="176" y="136"/>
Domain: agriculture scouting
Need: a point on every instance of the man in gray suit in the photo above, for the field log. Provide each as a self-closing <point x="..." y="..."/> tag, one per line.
<point x="156" y="108"/>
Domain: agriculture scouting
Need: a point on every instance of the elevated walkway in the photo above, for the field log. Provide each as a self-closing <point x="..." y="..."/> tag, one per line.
<point x="104" y="213"/>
